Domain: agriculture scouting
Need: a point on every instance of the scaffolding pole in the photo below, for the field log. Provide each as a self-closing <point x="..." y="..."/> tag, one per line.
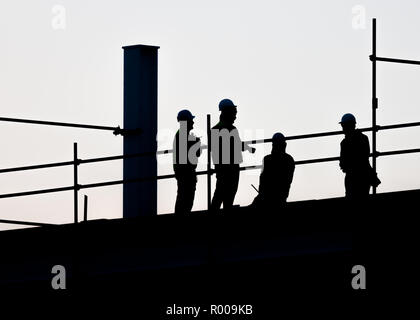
<point x="208" y="162"/>
<point x="115" y="130"/>
<point x="76" y="183"/>
<point x="374" y="100"/>
<point x="396" y="60"/>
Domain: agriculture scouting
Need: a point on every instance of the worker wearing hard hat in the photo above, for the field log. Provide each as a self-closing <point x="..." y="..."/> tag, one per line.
<point x="226" y="150"/>
<point x="186" y="150"/>
<point x="276" y="176"/>
<point x="354" y="160"/>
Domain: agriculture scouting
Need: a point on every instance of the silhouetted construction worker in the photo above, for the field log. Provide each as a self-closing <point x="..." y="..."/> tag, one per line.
<point x="186" y="150"/>
<point x="226" y="149"/>
<point x="354" y="160"/>
<point x="276" y="176"/>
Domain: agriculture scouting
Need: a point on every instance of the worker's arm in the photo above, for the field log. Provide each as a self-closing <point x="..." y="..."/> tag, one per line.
<point x="246" y="147"/>
<point x="291" y="172"/>
<point x="262" y="178"/>
<point x="366" y="147"/>
<point x="197" y="139"/>
<point x="342" y="158"/>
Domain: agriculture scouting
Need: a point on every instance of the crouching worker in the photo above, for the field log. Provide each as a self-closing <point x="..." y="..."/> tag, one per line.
<point x="276" y="176"/>
<point x="186" y="150"/>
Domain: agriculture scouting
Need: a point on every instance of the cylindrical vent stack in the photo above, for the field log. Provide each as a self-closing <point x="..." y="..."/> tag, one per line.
<point x="140" y="111"/>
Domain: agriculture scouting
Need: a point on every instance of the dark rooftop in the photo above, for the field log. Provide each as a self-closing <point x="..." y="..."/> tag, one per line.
<point x="307" y="245"/>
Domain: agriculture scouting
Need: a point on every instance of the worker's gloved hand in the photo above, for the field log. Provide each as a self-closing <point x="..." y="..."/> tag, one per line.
<point x="246" y="147"/>
<point x="118" y="131"/>
<point x="127" y="132"/>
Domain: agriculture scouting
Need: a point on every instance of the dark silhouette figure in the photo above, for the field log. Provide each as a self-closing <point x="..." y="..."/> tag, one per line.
<point x="226" y="149"/>
<point x="354" y="160"/>
<point x="186" y="150"/>
<point x="276" y="176"/>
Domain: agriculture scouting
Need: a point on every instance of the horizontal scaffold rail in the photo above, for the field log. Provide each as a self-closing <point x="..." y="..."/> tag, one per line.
<point x="170" y="176"/>
<point x="372" y="58"/>
<point x="33" y="192"/>
<point x="168" y="151"/>
<point x="39" y="166"/>
<point x="27" y="223"/>
<point x="115" y="130"/>
<point x="336" y="133"/>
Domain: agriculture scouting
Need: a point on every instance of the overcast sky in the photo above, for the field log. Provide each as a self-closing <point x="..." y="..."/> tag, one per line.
<point x="290" y="66"/>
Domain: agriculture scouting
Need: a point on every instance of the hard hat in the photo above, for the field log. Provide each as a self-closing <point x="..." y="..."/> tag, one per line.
<point x="226" y="104"/>
<point x="278" y="137"/>
<point x="185" y="115"/>
<point x="348" y="117"/>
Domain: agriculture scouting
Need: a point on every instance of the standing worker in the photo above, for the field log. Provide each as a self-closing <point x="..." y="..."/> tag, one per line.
<point x="276" y="176"/>
<point x="226" y="150"/>
<point x="354" y="160"/>
<point x="186" y="150"/>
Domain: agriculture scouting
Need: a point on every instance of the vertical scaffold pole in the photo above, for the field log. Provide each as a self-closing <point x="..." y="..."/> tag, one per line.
<point x="85" y="209"/>
<point x="76" y="185"/>
<point x="374" y="99"/>
<point x="208" y="162"/>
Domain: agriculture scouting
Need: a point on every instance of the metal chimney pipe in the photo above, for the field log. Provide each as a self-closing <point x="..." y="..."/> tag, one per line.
<point x="140" y="111"/>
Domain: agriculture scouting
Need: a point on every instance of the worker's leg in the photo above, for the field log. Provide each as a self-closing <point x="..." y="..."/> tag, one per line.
<point x="216" y="202"/>
<point x="357" y="187"/>
<point x="180" y="196"/>
<point x="186" y="192"/>
<point x="231" y="186"/>
<point x="190" y="194"/>
<point x="350" y="187"/>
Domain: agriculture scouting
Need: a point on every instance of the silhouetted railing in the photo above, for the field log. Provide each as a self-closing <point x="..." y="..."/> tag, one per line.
<point x="76" y="187"/>
<point x="117" y="130"/>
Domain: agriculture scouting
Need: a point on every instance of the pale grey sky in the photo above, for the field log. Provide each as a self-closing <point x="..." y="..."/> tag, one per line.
<point x="290" y="66"/>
